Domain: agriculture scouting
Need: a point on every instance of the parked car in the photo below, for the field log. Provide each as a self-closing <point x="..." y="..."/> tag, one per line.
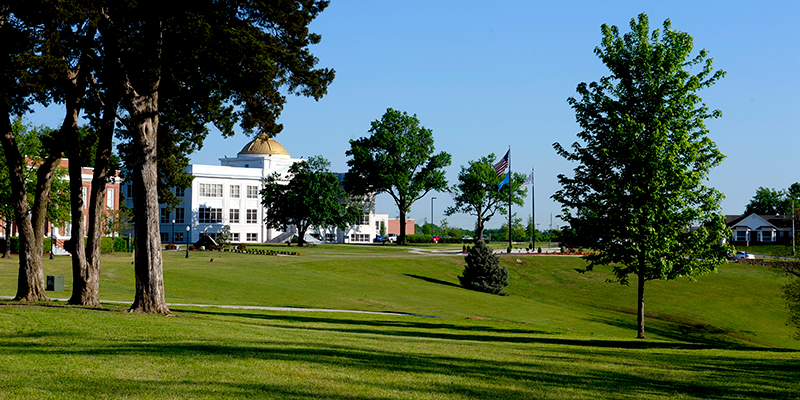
<point x="380" y="239"/>
<point x="392" y="237"/>
<point x="742" y="254"/>
<point x="466" y="237"/>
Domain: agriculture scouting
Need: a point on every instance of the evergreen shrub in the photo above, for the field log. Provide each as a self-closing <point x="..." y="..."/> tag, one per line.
<point x="483" y="271"/>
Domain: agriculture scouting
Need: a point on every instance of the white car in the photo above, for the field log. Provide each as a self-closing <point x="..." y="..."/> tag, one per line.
<point x="742" y="254"/>
<point x="392" y="237"/>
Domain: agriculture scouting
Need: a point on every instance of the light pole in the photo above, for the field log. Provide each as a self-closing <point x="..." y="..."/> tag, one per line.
<point x="173" y="231"/>
<point x="52" y="239"/>
<point x="188" y="233"/>
<point x="432" y="199"/>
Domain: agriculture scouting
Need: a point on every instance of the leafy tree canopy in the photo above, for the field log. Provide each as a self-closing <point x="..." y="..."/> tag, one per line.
<point x="476" y="192"/>
<point x="397" y="158"/>
<point x="308" y="195"/>
<point x="643" y="158"/>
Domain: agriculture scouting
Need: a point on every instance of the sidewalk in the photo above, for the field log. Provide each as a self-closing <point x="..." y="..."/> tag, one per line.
<point x="289" y="309"/>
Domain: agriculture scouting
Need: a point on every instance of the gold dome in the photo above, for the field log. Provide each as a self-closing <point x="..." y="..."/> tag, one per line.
<point x="264" y="145"/>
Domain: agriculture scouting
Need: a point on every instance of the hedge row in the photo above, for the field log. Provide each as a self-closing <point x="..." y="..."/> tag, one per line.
<point x="107" y="244"/>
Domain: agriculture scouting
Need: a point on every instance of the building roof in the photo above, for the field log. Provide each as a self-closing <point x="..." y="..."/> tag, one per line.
<point x="263" y="145"/>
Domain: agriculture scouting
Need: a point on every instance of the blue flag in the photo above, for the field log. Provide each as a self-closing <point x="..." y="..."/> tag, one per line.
<point x="505" y="180"/>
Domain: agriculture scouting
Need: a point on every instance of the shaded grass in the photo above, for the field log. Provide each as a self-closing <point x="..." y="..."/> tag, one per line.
<point x="233" y="354"/>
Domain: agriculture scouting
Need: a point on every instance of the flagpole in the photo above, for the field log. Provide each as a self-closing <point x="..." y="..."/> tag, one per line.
<point x="533" y="211"/>
<point x="510" y="192"/>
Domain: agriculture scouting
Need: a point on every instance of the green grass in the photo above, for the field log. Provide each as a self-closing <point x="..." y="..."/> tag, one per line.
<point x="559" y="334"/>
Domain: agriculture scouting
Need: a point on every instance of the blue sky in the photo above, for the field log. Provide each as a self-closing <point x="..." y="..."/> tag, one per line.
<point x="485" y="75"/>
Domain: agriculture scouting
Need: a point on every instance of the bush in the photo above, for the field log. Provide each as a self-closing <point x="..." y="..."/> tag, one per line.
<point x="121" y="244"/>
<point x="540" y="250"/>
<point x="483" y="271"/>
<point x="419" y="238"/>
<point x="170" y="246"/>
<point x="241" y="246"/>
<point x="106" y="244"/>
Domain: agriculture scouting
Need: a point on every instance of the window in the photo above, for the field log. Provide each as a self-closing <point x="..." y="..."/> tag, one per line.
<point x="235" y="191"/>
<point x="359" y="237"/>
<point x="234" y="216"/>
<point x="252" y="192"/>
<point x="377" y="226"/>
<point x="363" y="220"/>
<point x="179" y="237"/>
<point x="180" y="191"/>
<point x="210" y="215"/>
<point x="179" y="216"/>
<point x="741" y="236"/>
<point x="766" y="236"/>
<point x="330" y="237"/>
<point x="164" y="215"/>
<point x="213" y="235"/>
<point x="83" y="193"/>
<point x="210" y="190"/>
<point x="110" y="199"/>
<point x="164" y="237"/>
<point x="252" y="216"/>
<point x="252" y="237"/>
<point x="129" y="191"/>
<point x="234" y="236"/>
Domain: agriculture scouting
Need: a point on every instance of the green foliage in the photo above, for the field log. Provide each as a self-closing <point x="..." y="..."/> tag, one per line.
<point x="774" y="202"/>
<point x="309" y="195"/>
<point x="644" y="159"/>
<point x="106" y="244"/>
<point x="518" y="233"/>
<point x="14" y="243"/>
<point x="398" y="158"/>
<point x="483" y="271"/>
<point x="419" y="238"/>
<point x="476" y="192"/>
<point x="120" y="244"/>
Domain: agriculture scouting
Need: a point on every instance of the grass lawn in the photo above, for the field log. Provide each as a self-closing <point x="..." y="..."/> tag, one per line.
<point x="559" y="334"/>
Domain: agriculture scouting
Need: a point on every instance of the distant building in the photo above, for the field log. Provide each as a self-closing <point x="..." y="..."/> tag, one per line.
<point x="62" y="233"/>
<point x="230" y="194"/>
<point x="757" y="229"/>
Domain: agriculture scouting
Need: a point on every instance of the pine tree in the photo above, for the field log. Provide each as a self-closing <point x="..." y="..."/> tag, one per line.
<point x="483" y="271"/>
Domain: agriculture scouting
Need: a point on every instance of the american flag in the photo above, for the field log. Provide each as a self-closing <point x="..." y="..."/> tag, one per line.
<point x="501" y="165"/>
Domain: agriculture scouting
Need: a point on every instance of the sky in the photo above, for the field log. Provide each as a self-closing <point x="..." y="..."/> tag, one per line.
<point x="486" y="75"/>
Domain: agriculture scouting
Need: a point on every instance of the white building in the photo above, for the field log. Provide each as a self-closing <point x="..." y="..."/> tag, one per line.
<point x="229" y="194"/>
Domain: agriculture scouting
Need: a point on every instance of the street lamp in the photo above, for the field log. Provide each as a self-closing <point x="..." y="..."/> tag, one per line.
<point x="173" y="231"/>
<point x="432" y="199"/>
<point x="52" y="239"/>
<point x="188" y="233"/>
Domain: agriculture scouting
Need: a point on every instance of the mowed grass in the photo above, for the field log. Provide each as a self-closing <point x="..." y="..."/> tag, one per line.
<point x="559" y="334"/>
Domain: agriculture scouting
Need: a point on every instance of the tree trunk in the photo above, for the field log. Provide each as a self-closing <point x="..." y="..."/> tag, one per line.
<point x="640" y="302"/>
<point x="150" y="296"/>
<point x="97" y="208"/>
<point x="30" y="281"/>
<point x="402" y="238"/>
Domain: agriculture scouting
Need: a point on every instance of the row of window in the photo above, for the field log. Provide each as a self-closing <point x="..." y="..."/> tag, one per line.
<point x="180" y="238"/>
<point x="210" y="216"/>
<point x="215" y="190"/>
<point x="764" y="236"/>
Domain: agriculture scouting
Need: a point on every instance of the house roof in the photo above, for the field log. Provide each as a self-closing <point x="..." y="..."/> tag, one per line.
<point x="779" y="222"/>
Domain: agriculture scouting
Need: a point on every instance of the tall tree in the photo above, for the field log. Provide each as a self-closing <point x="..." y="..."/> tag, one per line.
<point x="220" y="62"/>
<point x="476" y="192"/>
<point x="644" y="159"/>
<point x="27" y="73"/>
<point x="398" y="158"/>
<point x="766" y="201"/>
<point x="308" y="195"/>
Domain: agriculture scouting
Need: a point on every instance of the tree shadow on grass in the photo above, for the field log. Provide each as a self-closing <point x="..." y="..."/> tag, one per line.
<point x="481" y="333"/>
<point x="433" y="280"/>
<point x="434" y="373"/>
